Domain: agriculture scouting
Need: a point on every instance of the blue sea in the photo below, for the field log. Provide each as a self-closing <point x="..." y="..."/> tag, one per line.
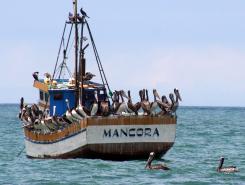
<point x="203" y="135"/>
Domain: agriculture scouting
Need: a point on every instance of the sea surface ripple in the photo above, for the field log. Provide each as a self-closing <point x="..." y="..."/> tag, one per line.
<point x="203" y="135"/>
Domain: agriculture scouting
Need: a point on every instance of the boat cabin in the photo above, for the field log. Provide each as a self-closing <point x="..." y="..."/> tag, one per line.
<point x="50" y="96"/>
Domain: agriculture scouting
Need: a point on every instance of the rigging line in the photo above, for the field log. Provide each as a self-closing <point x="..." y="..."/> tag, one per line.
<point x="71" y="46"/>
<point x="21" y="151"/>
<point x="98" y="58"/>
<point x="57" y="60"/>
<point x="67" y="44"/>
<point x="69" y="36"/>
<point x="81" y="65"/>
<point x="96" y="54"/>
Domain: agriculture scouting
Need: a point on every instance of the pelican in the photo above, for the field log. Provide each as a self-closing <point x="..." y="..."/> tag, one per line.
<point x="115" y="101"/>
<point x="47" y="75"/>
<point x="228" y="169"/>
<point x="21" y="107"/>
<point x="123" y="106"/>
<point x="47" y="78"/>
<point x="154" y="105"/>
<point x="95" y="106"/>
<point x="175" y="102"/>
<point x="88" y="76"/>
<point x="145" y="104"/>
<point x="76" y="115"/>
<point x="132" y="108"/>
<point x="104" y="107"/>
<point x="68" y="114"/>
<point x="154" y="167"/>
<point x="35" y="111"/>
<point x="80" y="109"/>
<point x="35" y="75"/>
<point x="164" y="105"/>
<point x="54" y="117"/>
<point x="71" y="17"/>
<point x="83" y="13"/>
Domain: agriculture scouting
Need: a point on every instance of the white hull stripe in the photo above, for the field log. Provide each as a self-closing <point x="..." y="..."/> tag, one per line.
<point x="48" y="142"/>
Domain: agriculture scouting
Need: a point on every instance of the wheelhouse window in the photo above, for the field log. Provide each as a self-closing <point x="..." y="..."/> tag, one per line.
<point x="58" y="96"/>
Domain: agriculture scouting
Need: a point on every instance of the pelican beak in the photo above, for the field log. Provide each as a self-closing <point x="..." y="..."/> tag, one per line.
<point x="124" y="94"/>
<point x="178" y="94"/>
<point x="180" y="97"/>
<point x="157" y="95"/>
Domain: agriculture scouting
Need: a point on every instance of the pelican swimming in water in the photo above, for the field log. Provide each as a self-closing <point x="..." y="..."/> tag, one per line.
<point x="132" y="108"/>
<point x="228" y="169"/>
<point x="154" y="167"/>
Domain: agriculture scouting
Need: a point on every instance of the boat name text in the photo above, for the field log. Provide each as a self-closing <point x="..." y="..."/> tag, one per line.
<point x="131" y="132"/>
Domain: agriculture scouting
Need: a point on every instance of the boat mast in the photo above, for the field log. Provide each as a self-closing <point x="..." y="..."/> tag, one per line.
<point x="76" y="53"/>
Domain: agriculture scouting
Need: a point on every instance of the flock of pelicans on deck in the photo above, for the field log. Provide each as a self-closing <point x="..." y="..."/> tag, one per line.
<point x="42" y="122"/>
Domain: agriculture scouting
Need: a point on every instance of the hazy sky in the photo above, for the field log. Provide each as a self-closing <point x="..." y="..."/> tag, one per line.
<point x="196" y="46"/>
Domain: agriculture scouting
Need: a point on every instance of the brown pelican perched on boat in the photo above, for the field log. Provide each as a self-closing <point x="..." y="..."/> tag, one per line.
<point x="228" y="169"/>
<point x="21" y="106"/>
<point x="88" y="76"/>
<point x="175" y="102"/>
<point x="154" y="167"/>
<point x="123" y="106"/>
<point x="132" y="108"/>
<point x="47" y="78"/>
<point x="154" y="105"/>
<point x="145" y="104"/>
<point x="115" y="101"/>
<point x="95" y="106"/>
<point x="71" y="17"/>
<point x="164" y="105"/>
<point x="35" y="112"/>
<point x="35" y="75"/>
<point x="68" y="114"/>
<point x="105" y="107"/>
<point x="81" y="110"/>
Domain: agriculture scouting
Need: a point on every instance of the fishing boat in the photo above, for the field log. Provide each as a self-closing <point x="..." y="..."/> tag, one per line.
<point x="76" y="117"/>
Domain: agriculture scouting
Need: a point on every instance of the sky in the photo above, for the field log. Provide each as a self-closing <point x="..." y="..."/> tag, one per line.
<point x="195" y="46"/>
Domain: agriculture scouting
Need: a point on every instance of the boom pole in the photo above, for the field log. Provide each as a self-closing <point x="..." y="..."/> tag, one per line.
<point x="76" y="54"/>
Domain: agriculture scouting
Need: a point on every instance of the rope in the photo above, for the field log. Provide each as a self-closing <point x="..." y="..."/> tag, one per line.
<point x="20" y="152"/>
<point x="101" y="70"/>
<point x="62" y="39"/>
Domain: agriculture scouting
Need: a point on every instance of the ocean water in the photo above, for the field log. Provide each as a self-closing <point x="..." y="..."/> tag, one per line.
<point x="203" y="135"/>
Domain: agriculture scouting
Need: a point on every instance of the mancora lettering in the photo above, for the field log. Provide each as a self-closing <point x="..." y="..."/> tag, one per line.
<point x="131" y="132"/>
